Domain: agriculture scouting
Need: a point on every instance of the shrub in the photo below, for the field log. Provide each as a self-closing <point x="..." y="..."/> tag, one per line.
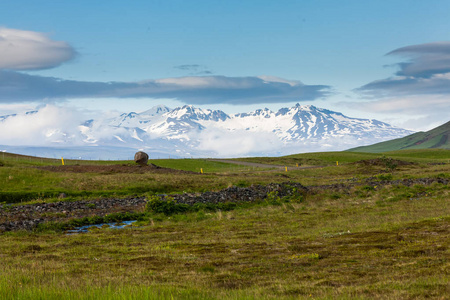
<point x="242" y="183"/>
<point x="294" y="195"/>
<point x="273" y="198"/>
<point x="17" y="197"/>
<point x="390" y="163"/>
<point x="167" y="206"/>
<point x="335" y="196"/>
<point x="385" y="177"/>
<point x="368" y="188"/>
<point x="442" y="175"/>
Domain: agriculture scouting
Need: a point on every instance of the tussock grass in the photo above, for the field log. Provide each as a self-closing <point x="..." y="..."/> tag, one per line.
<point x="324" y="247"/>
<point x="330" y="158"/>
<point x="365" y="239"/>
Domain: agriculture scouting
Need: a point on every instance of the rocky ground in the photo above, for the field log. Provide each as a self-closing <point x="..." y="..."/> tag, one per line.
<point x="241" y="194"/>
<point x="27" y="217"/>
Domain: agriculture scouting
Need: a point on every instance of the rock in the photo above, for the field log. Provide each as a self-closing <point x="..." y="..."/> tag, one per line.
<point x="141" y="158"/>
<point x="62" y="196"/>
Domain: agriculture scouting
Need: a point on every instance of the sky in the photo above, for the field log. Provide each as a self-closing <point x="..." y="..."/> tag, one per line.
<point x="387" y="60"/>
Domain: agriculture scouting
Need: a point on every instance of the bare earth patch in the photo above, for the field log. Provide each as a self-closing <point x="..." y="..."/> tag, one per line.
<point x="111" y="169"/>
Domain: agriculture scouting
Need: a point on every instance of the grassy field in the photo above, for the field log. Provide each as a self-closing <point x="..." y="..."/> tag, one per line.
<point x="366" y="237"/>
<point x="330" y="158"/>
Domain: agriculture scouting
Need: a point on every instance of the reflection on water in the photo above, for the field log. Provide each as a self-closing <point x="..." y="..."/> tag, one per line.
<point x="86" y="228"/>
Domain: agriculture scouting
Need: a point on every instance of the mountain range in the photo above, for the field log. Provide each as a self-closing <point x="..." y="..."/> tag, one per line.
<point x="194" y="132"/>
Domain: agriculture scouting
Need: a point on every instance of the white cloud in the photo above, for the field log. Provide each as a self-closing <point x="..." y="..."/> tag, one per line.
<point x="237" y="143"/>
<point x="268" y="79"/>
<point x="13" y="108"/>
<point x="413" y="105"/>
<point x="421" y="112"/>
<point x="29" y="50"/>
<point x="47" y="126"/>
<point x="53" y="126"/>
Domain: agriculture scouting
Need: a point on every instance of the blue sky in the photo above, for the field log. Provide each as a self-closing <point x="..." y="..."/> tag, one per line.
<point x="370" y="59"/>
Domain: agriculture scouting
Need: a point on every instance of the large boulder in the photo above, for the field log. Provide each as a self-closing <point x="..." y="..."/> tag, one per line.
<point x="141" y="158"/>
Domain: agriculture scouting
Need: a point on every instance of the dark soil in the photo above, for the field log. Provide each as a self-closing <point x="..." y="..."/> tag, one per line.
<point x="112" y="169"/>
<point x="382" y="162"/>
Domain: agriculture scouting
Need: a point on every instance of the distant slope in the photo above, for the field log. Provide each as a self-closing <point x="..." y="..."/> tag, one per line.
<point x="437" y="138"/>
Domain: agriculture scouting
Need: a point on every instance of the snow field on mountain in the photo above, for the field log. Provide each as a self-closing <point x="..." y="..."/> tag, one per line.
<point x="189" y="131"/>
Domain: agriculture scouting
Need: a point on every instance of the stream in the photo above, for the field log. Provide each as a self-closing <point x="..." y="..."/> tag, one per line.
<point x="114" y="225"/>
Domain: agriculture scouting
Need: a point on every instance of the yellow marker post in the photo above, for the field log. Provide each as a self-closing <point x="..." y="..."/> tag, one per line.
<point x="337" y="163"/>
<point x="285" y="168"/>
<point x="62" y="161"/>
<point x="201" y="170"/>
<point x="297" y="165"/>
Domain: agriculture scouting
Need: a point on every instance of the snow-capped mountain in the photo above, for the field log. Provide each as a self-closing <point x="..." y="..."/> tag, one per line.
<point x="189" y="131"/>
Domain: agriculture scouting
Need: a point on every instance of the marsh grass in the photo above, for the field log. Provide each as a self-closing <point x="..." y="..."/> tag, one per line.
<point x="323" y="247"/>
<point x="330" y="158"/>
<point x="372" y="239"/>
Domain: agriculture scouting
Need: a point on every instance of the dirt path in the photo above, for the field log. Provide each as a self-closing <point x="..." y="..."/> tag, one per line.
<point x="259" y="165"/>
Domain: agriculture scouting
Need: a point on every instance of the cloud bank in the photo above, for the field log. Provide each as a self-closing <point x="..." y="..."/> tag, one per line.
<point x="22" y="50"/>
<point x="237" y="143"/>
<point x="50" y="125"/>
<point x="427" y="60"/>
<point x="420" y="88"/>
<point x="29" y="50"/>
<point x="427" y="72"/>
<point x="19" y="87"/>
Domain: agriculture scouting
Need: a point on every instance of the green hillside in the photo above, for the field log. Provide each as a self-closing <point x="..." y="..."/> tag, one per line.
<point x="437" y="138"/>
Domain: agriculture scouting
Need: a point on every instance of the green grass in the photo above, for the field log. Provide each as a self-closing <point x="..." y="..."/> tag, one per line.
<point x="196" y="165"/>
<point x="343" y="157"/>
<point x="11" y="159"/>
<point x="426" y="155"/>
<point x="21" y="182"/>
<point x="362" y="238"/>
<point x="312" y="159"/>
<point x="351" y="247"/>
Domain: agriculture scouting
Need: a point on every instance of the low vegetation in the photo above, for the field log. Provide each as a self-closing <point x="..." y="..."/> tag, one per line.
<point x="371" y="226"/>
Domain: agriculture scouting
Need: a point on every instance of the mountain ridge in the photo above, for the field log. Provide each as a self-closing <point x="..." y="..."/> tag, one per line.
<point x="436" y="138"/>
<point x="189" y="131"/>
